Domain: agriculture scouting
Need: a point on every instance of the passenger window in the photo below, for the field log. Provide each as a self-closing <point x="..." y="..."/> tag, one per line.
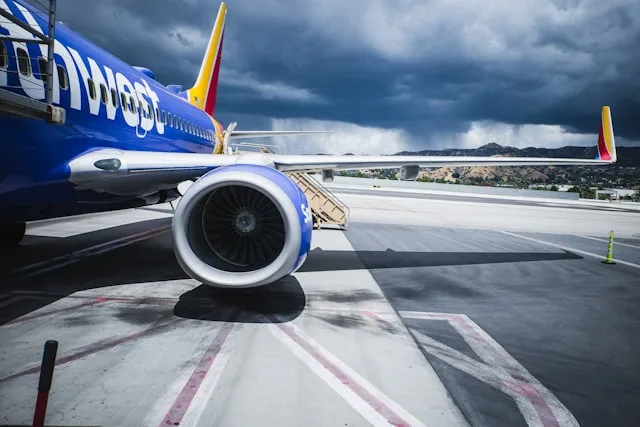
<point x="4" y="58"/>
<point x="157" y="114"/>
<point x="62" y="78"/>
<point x="114" y="97"/>
<point x="150" y="110"/>
<point x="42" y="64"/>
<point x="92" y="89"/>
<point x="104" y="95"/>
<point x="164" y="117"/>
<point x="123" y="101"/>
<point x="24" y="64"/>
<point x="134" y="106"/>
<point x="170" y="117"/>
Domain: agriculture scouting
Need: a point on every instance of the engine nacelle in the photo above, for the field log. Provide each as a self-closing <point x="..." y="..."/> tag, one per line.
<point x="409" y="173"/>
<point x="242" y="226"/>
<point x="327" y="175"/>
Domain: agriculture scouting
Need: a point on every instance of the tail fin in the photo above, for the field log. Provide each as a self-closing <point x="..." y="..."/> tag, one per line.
<point x="606" y="141"/>
<point x="203" y="92"/>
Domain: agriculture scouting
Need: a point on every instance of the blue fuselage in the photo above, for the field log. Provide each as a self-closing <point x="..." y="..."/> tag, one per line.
<point x="91" y="85"/>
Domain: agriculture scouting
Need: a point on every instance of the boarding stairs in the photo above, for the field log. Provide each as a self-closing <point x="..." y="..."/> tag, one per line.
<point x="326" y="208"/>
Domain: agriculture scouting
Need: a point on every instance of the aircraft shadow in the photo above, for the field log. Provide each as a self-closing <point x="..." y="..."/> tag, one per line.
<point x="281" y="301"/>
<point x="321" y="260"/>
<point x="284" y="300"/>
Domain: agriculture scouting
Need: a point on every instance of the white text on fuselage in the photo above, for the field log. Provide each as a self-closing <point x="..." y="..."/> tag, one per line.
<point x="77" y="70"/>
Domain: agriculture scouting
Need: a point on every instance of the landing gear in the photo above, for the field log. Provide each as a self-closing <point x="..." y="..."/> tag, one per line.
<point x="11" y="234"/>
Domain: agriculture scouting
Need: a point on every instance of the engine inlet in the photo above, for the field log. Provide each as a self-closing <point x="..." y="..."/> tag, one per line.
<point x="243" y="227"/>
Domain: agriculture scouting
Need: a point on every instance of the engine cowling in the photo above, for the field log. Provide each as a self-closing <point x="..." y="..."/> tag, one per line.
<point x="242" y="226"/>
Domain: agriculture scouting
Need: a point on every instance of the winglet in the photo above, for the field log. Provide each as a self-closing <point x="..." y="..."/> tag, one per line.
<point x="606" y="142"/>
<point x="203" y="92"/>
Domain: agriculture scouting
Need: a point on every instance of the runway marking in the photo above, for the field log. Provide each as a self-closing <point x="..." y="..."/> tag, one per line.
<point x="212" y="358"/>
<point x="371" y="403"/>
<point x="606" y="241"/>
<point x="120" y="298"/>
<point x="538" y="405"/>
<point x="567" y="248"/>
<point x="89" y="349"/>
<point x="93" y="301"/>
<point x="203" y="396"/>
<point x="67" y="259"/>
<point x="57" y="311"/>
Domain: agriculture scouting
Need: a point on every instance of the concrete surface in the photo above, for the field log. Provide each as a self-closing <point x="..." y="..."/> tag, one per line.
<point x="569" y="320"/>
<point x="141" y="344"/>
<point x="548" y="218"/>
<point x="424" y="312"/>
<point x="436" y="187"/>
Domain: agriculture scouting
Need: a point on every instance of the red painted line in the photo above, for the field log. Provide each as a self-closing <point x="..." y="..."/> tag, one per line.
<point x="64" y="260"/>
<point x="90" y="349"/>
<point x="376" y="317"/>
<point x="183" y="401"/>
<point x="375" y="403"/>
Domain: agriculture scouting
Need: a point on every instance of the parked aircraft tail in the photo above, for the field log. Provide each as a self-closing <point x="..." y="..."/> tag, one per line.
<point x="606" y="141"/>
<point x="203" y="93"/>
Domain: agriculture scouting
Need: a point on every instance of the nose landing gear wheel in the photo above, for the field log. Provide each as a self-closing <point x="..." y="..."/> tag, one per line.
<point x="11" y="234"/>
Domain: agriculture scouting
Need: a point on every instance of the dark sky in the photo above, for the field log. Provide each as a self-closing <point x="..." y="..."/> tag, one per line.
<point x="394" y="74"/>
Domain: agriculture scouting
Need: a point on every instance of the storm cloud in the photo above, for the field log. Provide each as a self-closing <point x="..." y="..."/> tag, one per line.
<point x="394" y="74"/>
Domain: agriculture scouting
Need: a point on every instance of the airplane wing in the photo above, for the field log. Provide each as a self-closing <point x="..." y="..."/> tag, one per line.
<point x="139" y="172"/>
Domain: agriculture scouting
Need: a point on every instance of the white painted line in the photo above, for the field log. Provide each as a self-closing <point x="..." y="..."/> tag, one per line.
<point x="482" y="372"/>
<point x="371" y="403"/>
<point x="567" y="248"/>
<point x="205" y="392"/>
<point x="159" y="410"/>
<point x="606" y="241"/>
<point x="498" y="369"/>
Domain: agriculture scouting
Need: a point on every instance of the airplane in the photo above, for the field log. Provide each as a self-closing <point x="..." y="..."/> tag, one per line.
<point x="129" y="141"/>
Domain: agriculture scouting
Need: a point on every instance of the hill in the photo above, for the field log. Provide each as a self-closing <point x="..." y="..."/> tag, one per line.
<point x="624" y="173"/>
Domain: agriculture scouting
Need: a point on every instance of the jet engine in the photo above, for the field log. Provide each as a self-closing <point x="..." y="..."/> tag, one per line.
<point x="242" y="226"/>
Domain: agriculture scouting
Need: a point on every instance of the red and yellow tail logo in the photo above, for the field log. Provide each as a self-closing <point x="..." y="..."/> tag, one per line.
<point x="606" y="141"/>
<point x="203" y="92"/>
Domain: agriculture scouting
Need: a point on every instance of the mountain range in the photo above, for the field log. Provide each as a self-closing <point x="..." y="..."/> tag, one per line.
<point x="624" y="173"/>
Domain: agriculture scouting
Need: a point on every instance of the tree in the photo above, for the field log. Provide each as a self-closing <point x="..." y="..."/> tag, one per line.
<point x="587" y="193"/>
<point x="553" y="188"/>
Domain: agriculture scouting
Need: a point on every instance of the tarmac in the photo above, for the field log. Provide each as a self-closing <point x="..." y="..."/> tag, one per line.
<point x="424" y="312"/>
